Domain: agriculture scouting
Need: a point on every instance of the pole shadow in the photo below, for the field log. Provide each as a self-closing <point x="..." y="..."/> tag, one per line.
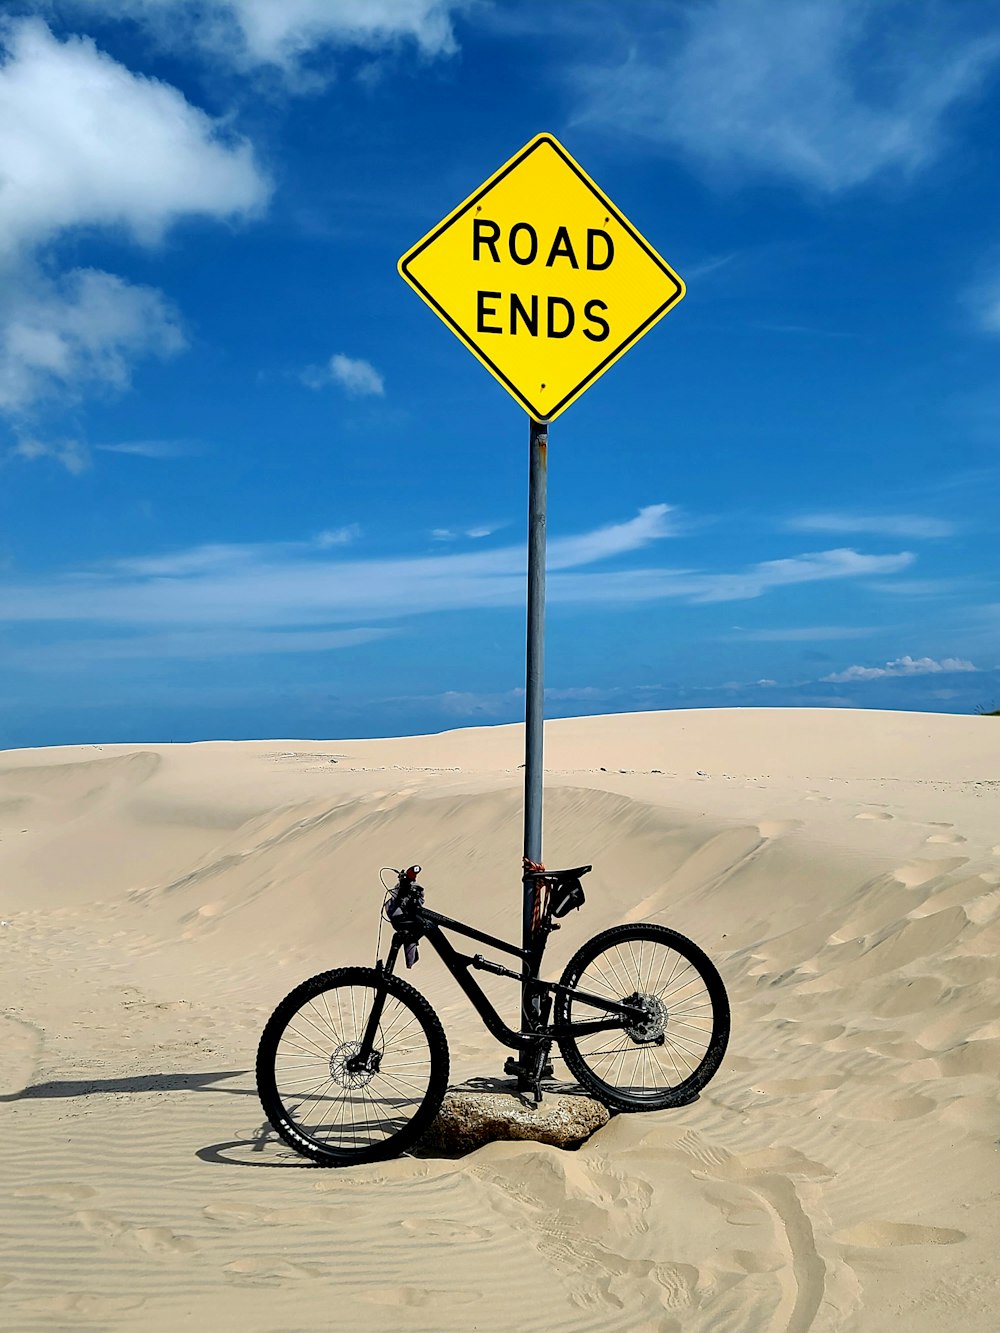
<point x="88" y="1087"/>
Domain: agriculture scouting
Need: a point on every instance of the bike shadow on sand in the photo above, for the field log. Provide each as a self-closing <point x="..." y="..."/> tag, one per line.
<point x="264" y="1148"/>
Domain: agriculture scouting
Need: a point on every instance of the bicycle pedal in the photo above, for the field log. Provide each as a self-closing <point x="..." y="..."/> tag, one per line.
<point x="528" y="1081"/>
<point x="512" y="1066"/>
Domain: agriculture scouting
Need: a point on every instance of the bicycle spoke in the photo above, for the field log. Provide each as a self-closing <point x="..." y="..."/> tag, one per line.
<point x="315" y="1043"/>
<point x="638" y="978"/>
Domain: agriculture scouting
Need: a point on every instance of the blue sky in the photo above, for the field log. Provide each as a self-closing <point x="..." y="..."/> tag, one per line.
<point x="251" y="486"/>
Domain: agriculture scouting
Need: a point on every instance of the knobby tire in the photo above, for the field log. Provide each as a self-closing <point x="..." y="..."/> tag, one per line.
<point x="316" y="1104"/>
<point x="689" y="1009"/>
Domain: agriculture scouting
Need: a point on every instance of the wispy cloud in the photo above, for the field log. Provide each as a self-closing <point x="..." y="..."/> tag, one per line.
<point x="901" y="666"/>
<point x="983" y="299"/>
<point x="160" y="449"/>
<point x="356" y="377"/>
<point x="803" y="330"/>
<point x="507" y="703"/>
<point x="874" y="525"/>
<point x="298" y="584"/>
<point x="813" y="567"/>
<point x="338" y="536"/>
<point x="194" y="645"/>
<point x="220" y="558"/>
<point x="288" y="35"/>
<point x="803" y="634"/>
<point x="707" y="266"/>
<point x="477" y="704"/>
<point x="736" y="686"/>
<point x="917" y="587"/>
<point x="475" y="533"/>
<point x="827" y="94"/>
<point x="650" y="524"/>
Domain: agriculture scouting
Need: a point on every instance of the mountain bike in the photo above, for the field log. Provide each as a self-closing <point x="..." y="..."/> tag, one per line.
<point x="353" y="1064"/>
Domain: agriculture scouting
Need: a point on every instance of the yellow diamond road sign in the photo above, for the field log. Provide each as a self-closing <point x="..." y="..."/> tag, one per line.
<point x="542" y="278"/>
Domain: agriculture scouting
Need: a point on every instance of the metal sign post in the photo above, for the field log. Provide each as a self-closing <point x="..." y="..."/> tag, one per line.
<point x="548" y="284"/>
<point x="534" y="687"/>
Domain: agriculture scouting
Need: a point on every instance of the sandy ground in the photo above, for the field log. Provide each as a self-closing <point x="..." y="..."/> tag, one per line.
<point x="840" y="1172"/>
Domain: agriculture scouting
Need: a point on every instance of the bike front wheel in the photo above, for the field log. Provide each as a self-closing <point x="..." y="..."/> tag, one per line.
<point x="311" y="1087"/>
<point x="666" y="1058"/>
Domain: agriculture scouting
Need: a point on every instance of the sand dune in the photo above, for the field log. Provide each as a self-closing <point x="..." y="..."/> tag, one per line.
<point x="842" y="868"/>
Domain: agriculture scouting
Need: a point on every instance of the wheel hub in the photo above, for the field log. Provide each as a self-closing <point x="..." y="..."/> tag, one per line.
<point x="348" y="1071"/>
<point x="653" y="1024"/>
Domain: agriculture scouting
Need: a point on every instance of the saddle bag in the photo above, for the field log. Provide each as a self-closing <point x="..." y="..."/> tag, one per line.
<point x="565" y="895"/>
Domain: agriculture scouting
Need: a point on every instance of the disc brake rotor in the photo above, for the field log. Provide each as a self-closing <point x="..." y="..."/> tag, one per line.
<point x="347" y="1074"/>
<point x="653" y="1023"/>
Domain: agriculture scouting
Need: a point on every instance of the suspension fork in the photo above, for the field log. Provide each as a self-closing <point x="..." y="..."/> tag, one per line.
<point x="383" y="970"/>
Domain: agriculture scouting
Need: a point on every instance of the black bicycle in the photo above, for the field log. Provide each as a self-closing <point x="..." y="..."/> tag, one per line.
<point x="353" y="1064"/>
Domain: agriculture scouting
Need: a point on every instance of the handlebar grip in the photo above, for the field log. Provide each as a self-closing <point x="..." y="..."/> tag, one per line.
<point x="412" y="873"/>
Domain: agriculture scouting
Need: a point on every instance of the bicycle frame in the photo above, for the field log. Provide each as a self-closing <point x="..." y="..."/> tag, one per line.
<point x="423" y="923"/>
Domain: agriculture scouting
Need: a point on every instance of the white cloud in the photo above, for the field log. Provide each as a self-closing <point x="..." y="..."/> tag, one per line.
<point x="902" y="666"/>
<point x="72" y="454"/>
<point x="85" y="142"/>
<point x="878" y="525"/>
<point x="338" y="536"/>
<point x="282" y="33"/>
<point x="359" y="378"/>
<point x="80" y="330"/>
<point x="828" y="93"/>
<point x="356" y="377"/>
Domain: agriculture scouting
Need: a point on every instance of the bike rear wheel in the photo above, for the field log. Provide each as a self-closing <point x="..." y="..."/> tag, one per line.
<point x="321" y="1103"/>
<point x="668" y="1057"/>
